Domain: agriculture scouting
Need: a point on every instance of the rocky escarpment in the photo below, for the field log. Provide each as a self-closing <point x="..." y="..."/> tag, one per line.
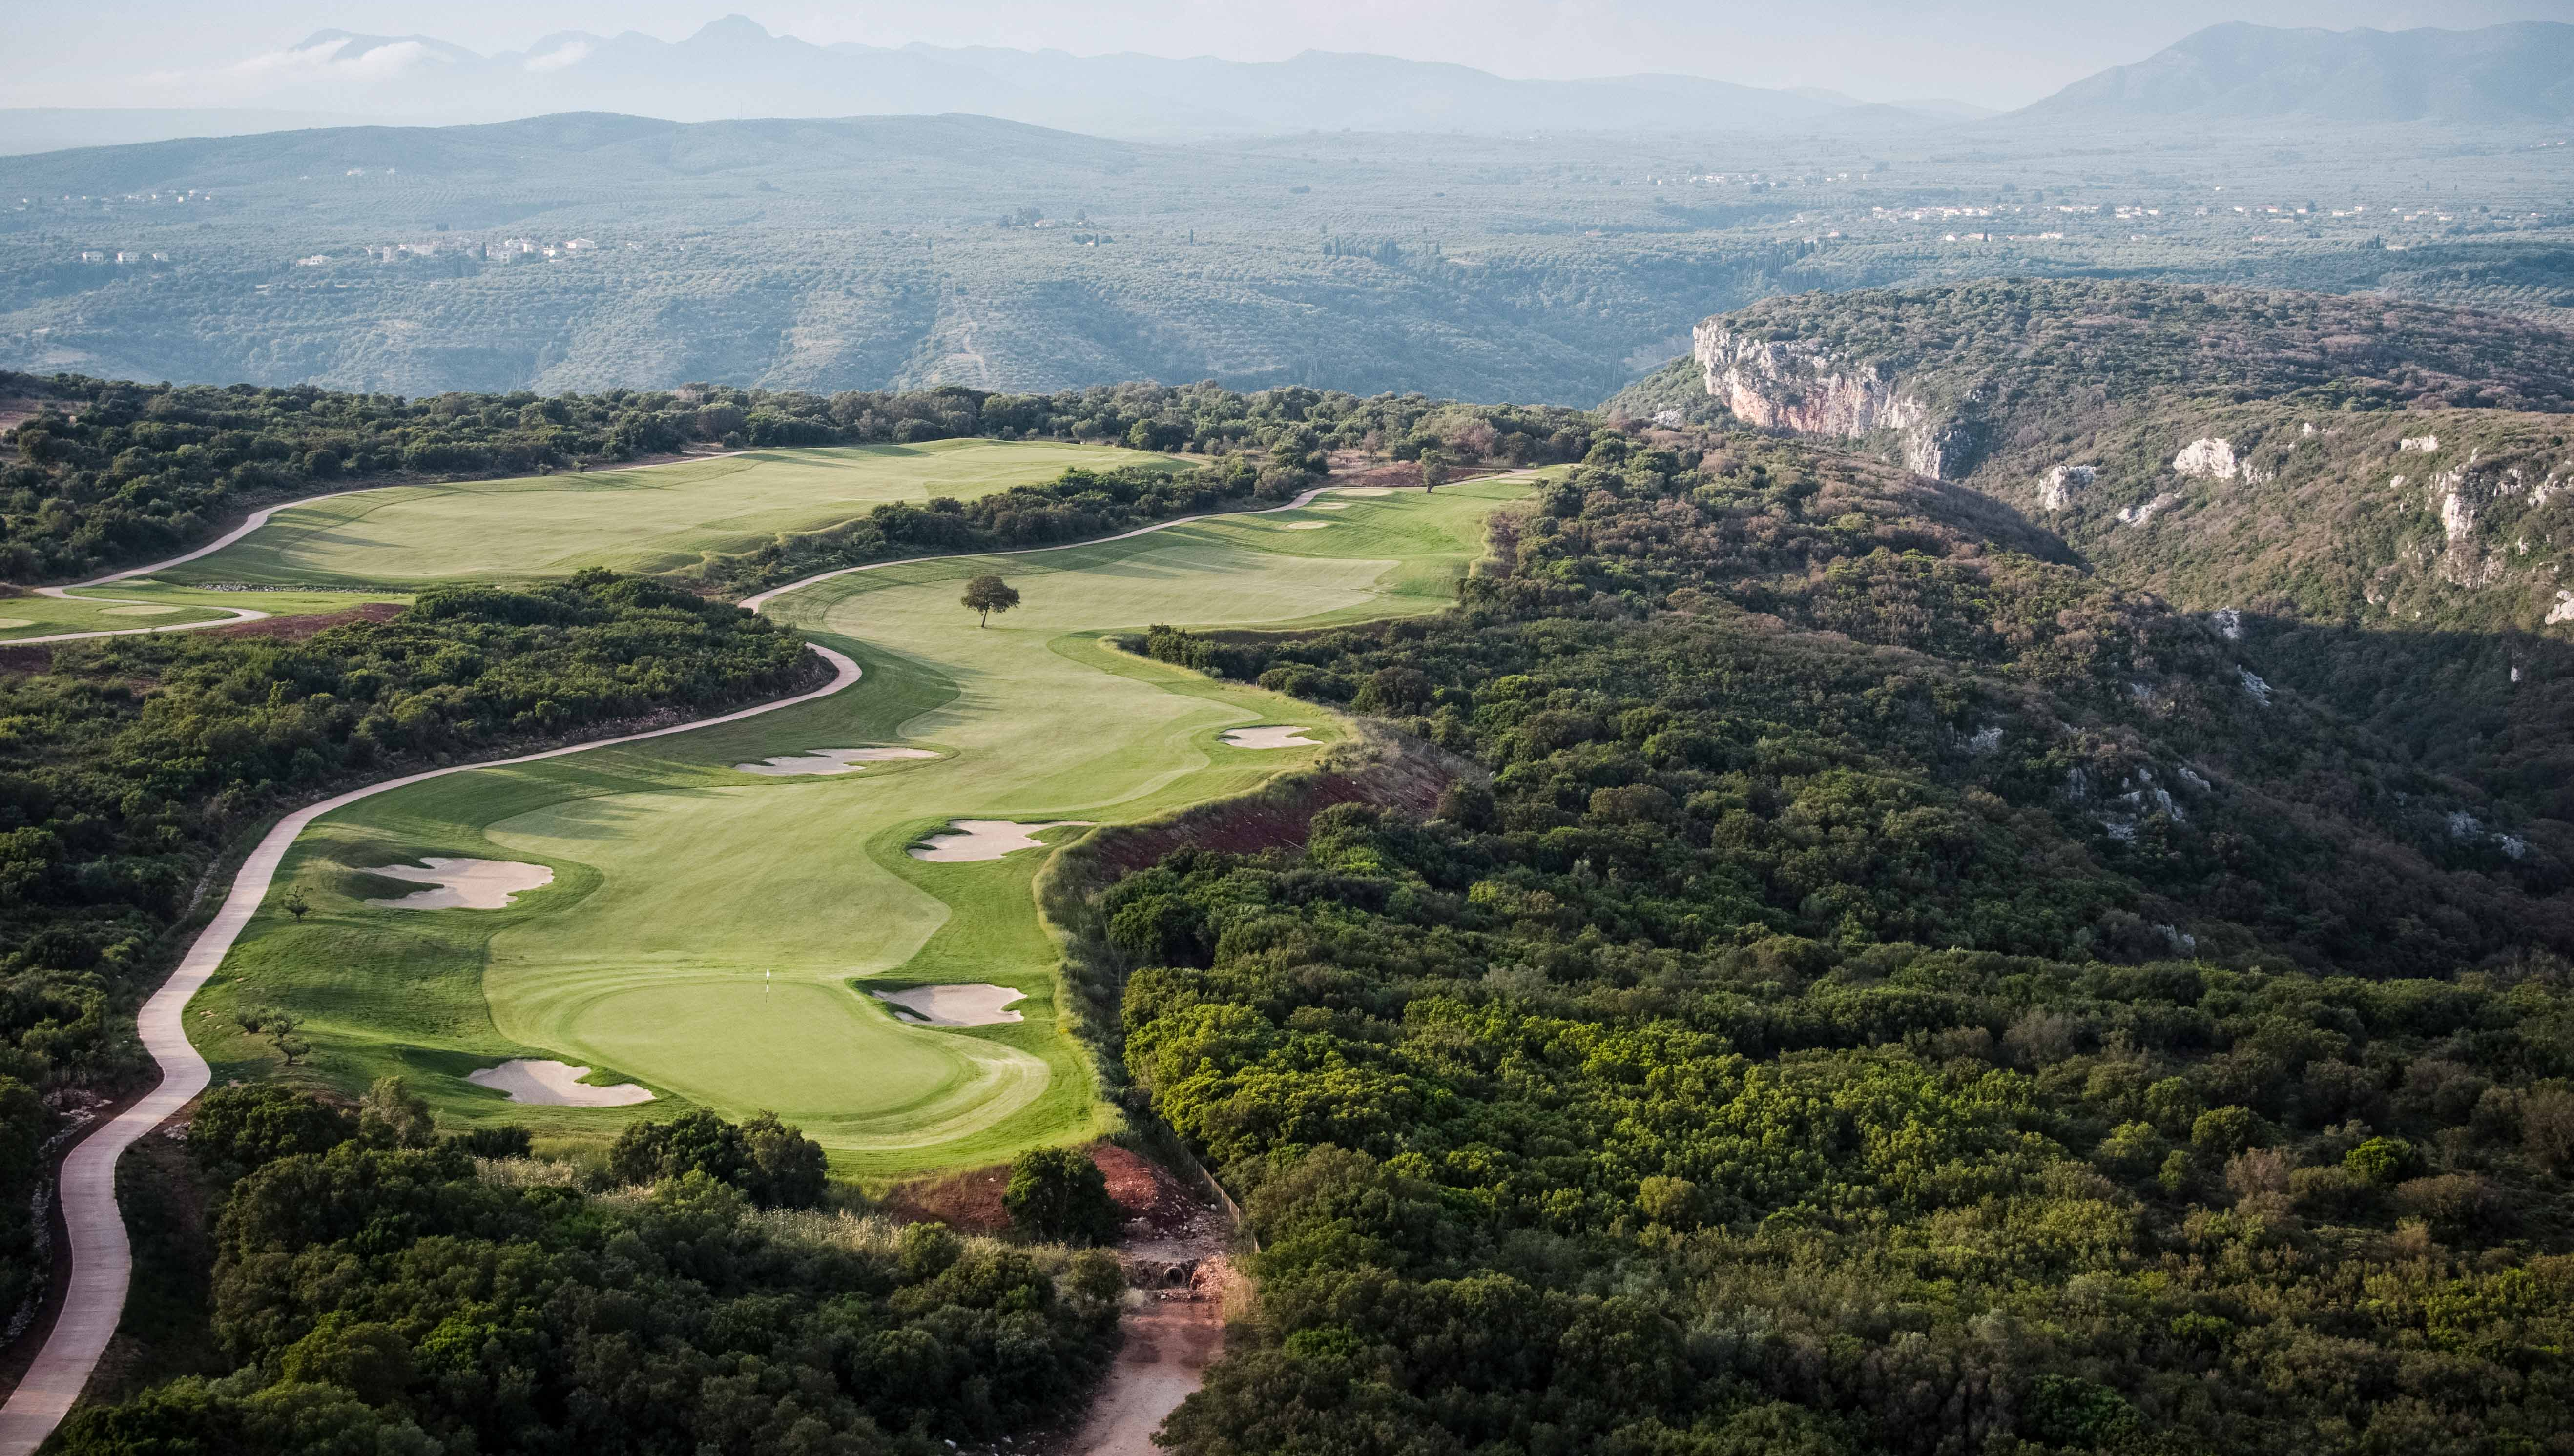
<point x="1797" y="386"/>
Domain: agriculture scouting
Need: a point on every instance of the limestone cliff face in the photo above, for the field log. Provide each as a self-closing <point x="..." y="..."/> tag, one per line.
<point x="1796" y="386"/>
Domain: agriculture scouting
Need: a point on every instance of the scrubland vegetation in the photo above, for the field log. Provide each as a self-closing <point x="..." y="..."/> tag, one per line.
<point x="1896" y="994"/>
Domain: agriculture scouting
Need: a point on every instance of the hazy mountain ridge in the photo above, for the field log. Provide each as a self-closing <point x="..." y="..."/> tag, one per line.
<point x="733" y="64"/>
<point x="2242" y="72"/>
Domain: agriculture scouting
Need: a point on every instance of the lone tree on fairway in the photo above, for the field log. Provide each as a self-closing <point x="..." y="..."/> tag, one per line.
<point x="989" y="594"/>
<point x="1058" y="1192"/>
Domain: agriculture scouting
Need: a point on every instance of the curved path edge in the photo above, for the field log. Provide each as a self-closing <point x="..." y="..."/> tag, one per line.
<point x="250" y="524"/>
<point x="101" y="1260"/>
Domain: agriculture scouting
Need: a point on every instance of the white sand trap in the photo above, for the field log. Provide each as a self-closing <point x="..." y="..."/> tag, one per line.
<point x="982" y="838"/>
<point x="1330" y="505"/>
<point x="1270" y="737"/>
<point x="1365" y="490"/>
<point x="1309" y="526"/>
<point x="978" y="1004"/>
<point x="464" y="884"/>
<point x="139" y="611"/>
<point x="552" y="1085"/>
<point x="830" y="760"/>
<point x="8" y="624"/>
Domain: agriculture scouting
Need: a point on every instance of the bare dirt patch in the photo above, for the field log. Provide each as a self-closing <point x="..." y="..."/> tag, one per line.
<point x="1270" y="736"/>
<point x="967" y="840"/>
<point x="464" y="884"/>
<point x="555" y="1084"/>
<point x="295" y="629"/>
<point x="978" y="1004"/>
<point x="828" y="761"/>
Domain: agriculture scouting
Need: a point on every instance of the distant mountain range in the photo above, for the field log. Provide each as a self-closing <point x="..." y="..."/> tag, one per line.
<point x="733" y="69"/>
<point x="2226" y="75"/>
<point x="2238" y="73"/>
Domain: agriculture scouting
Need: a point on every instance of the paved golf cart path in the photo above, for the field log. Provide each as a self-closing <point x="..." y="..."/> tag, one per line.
<point x="101" y="1262"/>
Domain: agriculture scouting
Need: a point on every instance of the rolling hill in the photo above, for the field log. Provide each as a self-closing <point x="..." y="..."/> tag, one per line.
<point x="2240" y="72"/>
<point x="2372" y="496"/>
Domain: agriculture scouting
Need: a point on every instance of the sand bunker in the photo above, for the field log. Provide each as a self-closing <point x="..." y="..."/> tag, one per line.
<point x="464" y="884"/>
<point x="8" y="624"/>
<point x="1365" y="490"/>
<point x="978" y="1004"/>
<point x="552" y="1085"/>
<point x="1330" y="505"/>
<point x="982" y="838"/>
<point x="1307" y="525"/>
<point x="1270" y="737"/>
<point x="139" y="611"/>
<point x="830" y="760"/>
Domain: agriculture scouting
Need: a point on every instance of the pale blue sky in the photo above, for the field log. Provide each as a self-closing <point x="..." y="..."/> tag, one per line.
<point x="2003" y="53"/>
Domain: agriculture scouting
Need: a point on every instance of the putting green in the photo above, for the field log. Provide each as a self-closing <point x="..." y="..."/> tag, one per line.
<point x="653" y="518"/>
<point x="708" y="930"/>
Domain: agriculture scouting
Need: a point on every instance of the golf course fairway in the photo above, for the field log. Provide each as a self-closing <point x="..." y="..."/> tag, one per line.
<point x="712" y="935"/>
<point x="646" y="518"/>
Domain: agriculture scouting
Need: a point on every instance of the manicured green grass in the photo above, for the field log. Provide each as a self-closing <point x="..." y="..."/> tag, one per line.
<point x="711" y="935"/>
<point x="160" y="604"/>
<point x="659" y="519"/>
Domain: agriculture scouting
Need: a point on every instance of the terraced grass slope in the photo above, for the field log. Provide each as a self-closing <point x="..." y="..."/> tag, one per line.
<point x="653" y="520"/>
<point x="712" y="934"/>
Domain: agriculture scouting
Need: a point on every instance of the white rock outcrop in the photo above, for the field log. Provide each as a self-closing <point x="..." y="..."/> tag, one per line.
<point x="1794" y="385"/>
<point x="2137" y="515"/>
<point x="2417" y="445"/>
<point x="2062" y="484"/>
<point x="2208" y="459"/>
<point x="2563" y="611"/>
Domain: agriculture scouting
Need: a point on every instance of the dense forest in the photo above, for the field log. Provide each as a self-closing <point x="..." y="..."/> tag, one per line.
<point x="129" y="765"/>
<point x="106" y="473"/>
<point x="377" y="1289"/>
<point x="1894" y="994"/>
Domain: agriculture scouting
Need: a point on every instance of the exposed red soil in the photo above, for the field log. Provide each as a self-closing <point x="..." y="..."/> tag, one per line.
<point x="295" y="629"/>
<point x="1355" y="467"/>
<point x="1280" y="817"/>
<point x="1155" y="1203"/>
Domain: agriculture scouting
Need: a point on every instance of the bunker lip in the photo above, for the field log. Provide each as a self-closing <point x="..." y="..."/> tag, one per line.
<point x="463" y="884"/>
<point x="550" y="1083"/>
<point x="828" y="761"/>
<point x="1268" y="736"/>
<point x="967" y="840"/>
<point x="979" y="1003"/>
<point x="1305" y="526"/>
